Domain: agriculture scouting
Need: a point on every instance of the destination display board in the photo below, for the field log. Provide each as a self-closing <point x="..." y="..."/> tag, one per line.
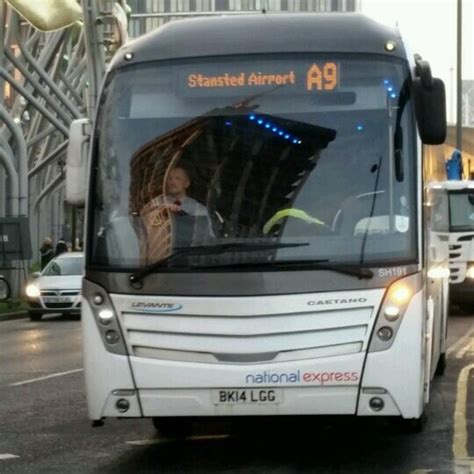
<point x="228" y="78"/>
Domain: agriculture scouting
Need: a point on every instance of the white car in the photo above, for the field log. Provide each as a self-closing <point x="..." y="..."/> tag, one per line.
<point x="57" y="289"/>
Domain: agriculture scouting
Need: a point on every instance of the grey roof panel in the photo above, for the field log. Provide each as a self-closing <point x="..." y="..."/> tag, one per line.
<point x="262" y="33"/>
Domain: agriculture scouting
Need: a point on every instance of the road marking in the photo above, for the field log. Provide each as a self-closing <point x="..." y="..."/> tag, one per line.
<point x="8" y="456"/>
<point x="206" y="437"/>
<point x="148" y="442"/>
<point x="39" y="379"/>
<point x="464" y="466"/>
<point x="466" y="348"/>
<point x="460" y="343"/>
<point x="460" y="421"/>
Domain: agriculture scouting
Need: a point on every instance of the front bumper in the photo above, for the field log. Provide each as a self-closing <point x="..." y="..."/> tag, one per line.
<point x="39" y="306"/>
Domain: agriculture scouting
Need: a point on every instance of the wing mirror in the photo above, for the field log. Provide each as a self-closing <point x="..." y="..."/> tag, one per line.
<point x="5" y="290"/>
<point x="429" y="96"/>
<point x="35" y="274"/>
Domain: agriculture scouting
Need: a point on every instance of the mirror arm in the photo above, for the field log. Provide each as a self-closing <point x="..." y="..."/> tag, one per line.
<point x="423" y="71"/>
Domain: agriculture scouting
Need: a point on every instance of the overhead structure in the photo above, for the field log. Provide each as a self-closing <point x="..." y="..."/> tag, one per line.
<point x="52" y="60"/>
<point x="48" y="15"/>
<point x="148" y="15"/>
<point x="53" y="54"/>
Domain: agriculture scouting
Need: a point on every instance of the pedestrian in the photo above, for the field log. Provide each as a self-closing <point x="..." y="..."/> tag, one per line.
<point x="61" y="247"/>
<point x="454" y="167"/>
<point x="46" y="252"/>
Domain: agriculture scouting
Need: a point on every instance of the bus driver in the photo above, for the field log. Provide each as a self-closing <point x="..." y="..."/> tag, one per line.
<point x="193" y="224"/>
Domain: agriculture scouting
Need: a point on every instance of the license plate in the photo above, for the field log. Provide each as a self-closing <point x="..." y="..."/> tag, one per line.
<point x="58" y="299"/>
<point x="231" y="396"/>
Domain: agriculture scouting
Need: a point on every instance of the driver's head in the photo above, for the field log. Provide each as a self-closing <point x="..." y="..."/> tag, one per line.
<point x="178" y="182"/>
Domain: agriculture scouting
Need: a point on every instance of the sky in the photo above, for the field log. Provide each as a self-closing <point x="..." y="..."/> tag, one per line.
<point x="429" y="27"/>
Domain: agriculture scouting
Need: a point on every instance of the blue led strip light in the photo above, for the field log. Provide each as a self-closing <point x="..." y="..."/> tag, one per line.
<point x="390" y="89"/>
<point x="391" y="93"/>
<point x="274" y="129"/>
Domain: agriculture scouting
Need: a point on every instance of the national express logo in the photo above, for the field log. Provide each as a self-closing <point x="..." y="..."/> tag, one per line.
<point x="316" y="378"/>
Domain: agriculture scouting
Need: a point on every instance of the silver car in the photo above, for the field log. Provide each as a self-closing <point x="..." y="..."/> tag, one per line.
<point x="57" y="289"/>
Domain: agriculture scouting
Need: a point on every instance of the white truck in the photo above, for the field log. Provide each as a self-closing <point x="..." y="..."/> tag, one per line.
<point x="461" y="241"/>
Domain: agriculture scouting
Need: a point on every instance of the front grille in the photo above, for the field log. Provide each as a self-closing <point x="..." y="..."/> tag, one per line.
<point x="58" y="305"/>
<point x="245" y="339"/>
<point x="59" y="292"/>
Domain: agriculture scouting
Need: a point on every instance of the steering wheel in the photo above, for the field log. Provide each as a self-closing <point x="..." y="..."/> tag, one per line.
<point x="292" y="212"/>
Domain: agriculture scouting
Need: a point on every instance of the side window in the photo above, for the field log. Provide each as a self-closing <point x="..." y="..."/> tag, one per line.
<point x="53" y="270"/>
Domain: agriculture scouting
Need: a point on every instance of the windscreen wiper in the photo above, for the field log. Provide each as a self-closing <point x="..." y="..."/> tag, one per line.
<point x="352" y="270"/>
<point x="209" y="250"/>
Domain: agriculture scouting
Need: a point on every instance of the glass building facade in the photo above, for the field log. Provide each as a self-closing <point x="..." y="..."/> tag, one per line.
<point x="149" y="14"/>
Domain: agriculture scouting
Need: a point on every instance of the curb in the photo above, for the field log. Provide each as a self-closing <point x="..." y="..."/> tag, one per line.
<point x="11" y="316"/>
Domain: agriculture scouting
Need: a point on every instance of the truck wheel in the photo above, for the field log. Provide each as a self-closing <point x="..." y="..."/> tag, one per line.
<point x="441" y="367"/>
<point x="35" y="316"/>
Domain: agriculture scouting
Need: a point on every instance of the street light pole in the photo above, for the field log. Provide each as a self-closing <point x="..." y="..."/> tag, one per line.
<point x="452" y="108"/>
<point x="459" y="79"/>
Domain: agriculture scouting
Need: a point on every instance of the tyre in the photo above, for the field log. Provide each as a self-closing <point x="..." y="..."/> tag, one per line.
<point x="73" y="316"/>
<point x="35" y="316"/>
<point x="441" y="366"/>
<point x="172" y="427"/>
<point x="413" y="425"/>
<point x="467" y="309"/>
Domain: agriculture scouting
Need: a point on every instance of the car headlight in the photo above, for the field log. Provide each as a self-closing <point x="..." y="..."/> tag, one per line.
<point x="32" y="291"/>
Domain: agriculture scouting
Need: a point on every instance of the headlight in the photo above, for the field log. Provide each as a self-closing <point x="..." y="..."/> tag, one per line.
<point x="32" y="291"/>
<point x="399" y="294"/>
<point x="105" y="316"/>
<point x="392" y="310"/>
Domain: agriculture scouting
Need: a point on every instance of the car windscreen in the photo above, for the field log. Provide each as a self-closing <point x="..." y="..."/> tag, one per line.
<point x="65" y="266"/>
